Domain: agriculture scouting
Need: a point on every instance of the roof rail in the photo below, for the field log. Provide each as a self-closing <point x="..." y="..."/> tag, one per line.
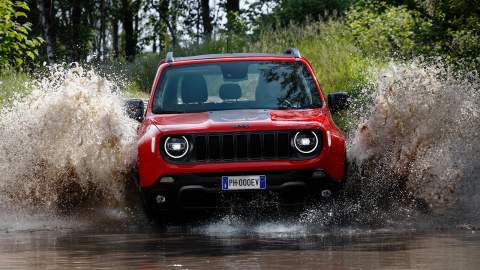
<point x="169" y="58"/>
<point x="293" y="51"/>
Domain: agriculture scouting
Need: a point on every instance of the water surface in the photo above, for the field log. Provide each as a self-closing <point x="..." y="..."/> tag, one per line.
<point x="266" y="246"/>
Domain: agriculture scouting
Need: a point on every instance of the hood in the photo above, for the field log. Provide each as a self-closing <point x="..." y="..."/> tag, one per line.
<point x="240" y="120"/>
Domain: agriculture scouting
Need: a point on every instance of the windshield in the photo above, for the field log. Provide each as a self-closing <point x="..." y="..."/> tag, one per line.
<point x="235" y="85"/>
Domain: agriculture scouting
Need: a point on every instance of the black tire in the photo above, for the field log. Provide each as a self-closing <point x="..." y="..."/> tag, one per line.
<point x="147" y="203"/>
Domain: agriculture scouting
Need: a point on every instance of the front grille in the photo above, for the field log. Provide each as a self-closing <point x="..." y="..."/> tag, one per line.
<point x="242" y="146"/>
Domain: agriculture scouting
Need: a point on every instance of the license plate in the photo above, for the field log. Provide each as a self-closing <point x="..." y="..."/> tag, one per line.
<point x="244" y="182"/>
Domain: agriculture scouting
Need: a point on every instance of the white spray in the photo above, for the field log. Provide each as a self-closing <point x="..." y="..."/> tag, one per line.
<point x="423" y="130"/>
<point x="67" y="143"/>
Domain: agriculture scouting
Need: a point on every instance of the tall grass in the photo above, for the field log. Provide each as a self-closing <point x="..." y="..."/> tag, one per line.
<point x="328" y="45"/>
<point x="12" y="83"/>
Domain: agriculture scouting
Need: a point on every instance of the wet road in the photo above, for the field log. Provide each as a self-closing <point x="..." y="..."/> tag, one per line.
<point x="267" y="246"/>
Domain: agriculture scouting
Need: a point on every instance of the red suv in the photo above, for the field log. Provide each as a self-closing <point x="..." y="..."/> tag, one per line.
<point x="238" y="126"/>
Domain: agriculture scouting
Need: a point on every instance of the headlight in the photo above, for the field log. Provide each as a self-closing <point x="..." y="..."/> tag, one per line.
<point x="176" y="147"/>
<point x="305" y="141"/>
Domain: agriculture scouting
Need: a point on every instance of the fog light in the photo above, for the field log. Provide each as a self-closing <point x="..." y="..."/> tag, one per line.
<point x="160" y="199"/>
<point x="167" y="179"/>
<point x="326" y="193"/>
<point x="318" y="174"/>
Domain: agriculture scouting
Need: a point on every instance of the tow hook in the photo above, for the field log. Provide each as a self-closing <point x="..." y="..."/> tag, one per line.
<point x="160" y="199"/>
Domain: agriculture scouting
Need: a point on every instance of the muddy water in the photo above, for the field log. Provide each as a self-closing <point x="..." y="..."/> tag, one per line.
<point x="184" y="249"/>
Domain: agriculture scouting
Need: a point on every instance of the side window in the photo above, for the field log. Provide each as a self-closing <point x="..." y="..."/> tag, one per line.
<point x="311" y="88"/>
<point x="166" y="96"/>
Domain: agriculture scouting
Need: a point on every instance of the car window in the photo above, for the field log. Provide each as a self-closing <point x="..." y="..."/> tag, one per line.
<point x="235" y="85"/>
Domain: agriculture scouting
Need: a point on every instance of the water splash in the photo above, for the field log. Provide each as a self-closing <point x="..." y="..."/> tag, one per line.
<point x="420" y="142"/>
<point x="68" y="143"/>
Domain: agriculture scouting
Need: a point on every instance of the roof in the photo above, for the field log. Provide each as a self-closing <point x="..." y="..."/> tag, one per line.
<point x="291" y="52"/>
<point x="230" y="55"/>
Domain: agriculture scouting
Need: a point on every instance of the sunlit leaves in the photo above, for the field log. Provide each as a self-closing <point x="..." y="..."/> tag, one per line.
<point x="16" y="47"/>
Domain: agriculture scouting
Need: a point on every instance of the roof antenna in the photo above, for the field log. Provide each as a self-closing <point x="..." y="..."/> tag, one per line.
<point x="293" y="51"/>
<point x="169" y="58"/>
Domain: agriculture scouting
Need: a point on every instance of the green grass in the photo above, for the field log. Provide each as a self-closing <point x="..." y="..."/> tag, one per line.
<point x="329" y="46"/>
<point x="338" y="64"/>
<point x="133" y="90"/>
<point x="12" y="83"/>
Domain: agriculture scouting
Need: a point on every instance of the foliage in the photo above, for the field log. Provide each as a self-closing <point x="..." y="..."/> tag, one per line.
<point x="142" y="71"/>
<point x="458" y="22"/>
<point x="299" y="11"/>
<point x="407" y="28"/>
<point x="394" y="31"/>
<point x="16" y="47"/>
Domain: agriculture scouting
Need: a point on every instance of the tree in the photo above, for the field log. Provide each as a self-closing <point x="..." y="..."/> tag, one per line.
<point x="75" y="27"/>
<point x="15" y="45"/>
<point x="232" y="6"/>
<point x="234" y="24"/>
<point x="299" y="11"/>
<point x="127" y="18"/>
<point x="206" y="20"/>
<point x="47" y="15"/>
<point x="114" y="15"/>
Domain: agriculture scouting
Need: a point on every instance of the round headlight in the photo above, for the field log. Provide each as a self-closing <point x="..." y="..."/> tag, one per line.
<point x="176" y="147"/>
<point x="305" y="141"/>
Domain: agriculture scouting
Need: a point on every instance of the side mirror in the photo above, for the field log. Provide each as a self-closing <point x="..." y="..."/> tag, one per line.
<point x="338" y="101"/>
<point x="135" y="109"/>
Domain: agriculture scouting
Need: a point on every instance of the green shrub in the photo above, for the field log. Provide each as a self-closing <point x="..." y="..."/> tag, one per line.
<point x="143" y="70"/>
<point x="465" y="45"/>
<point x="389" y="30"/>
<point x="15" y="45"/>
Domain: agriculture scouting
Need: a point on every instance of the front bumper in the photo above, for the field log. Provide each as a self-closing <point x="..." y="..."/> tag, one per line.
<point x="203" y="191"/>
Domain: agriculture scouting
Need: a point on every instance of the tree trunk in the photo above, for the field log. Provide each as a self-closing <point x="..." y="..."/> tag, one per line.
<point x="197" y="23"/>
<point x="173" y="23"/>
<point x="154" y="43"/>
<point x="233" y="6"/>
<point x="115" y="28"/>
<point x="75" y="30"/>
<point x="206" y="20"/>
<point x="169" y="16"/>
<point x="127" y="21"/>
<point x="102" y="46"/>
<point x="115" y="37"/>
<point x="136" y="25"/>
<point x="47" y="15"/>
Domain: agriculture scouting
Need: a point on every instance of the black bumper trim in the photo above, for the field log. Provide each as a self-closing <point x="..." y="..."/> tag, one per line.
<point x="193" y="191"/>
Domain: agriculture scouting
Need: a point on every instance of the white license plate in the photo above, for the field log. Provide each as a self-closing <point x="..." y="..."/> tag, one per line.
<point x="244" y="182"/>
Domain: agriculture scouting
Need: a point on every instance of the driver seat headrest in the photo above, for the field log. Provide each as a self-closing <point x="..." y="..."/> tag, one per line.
<point x="230" y="91"/>
<point x="194" y="89"/>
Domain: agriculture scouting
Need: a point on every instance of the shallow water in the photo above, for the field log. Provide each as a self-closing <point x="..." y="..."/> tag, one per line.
<point x="184" y="248"/>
